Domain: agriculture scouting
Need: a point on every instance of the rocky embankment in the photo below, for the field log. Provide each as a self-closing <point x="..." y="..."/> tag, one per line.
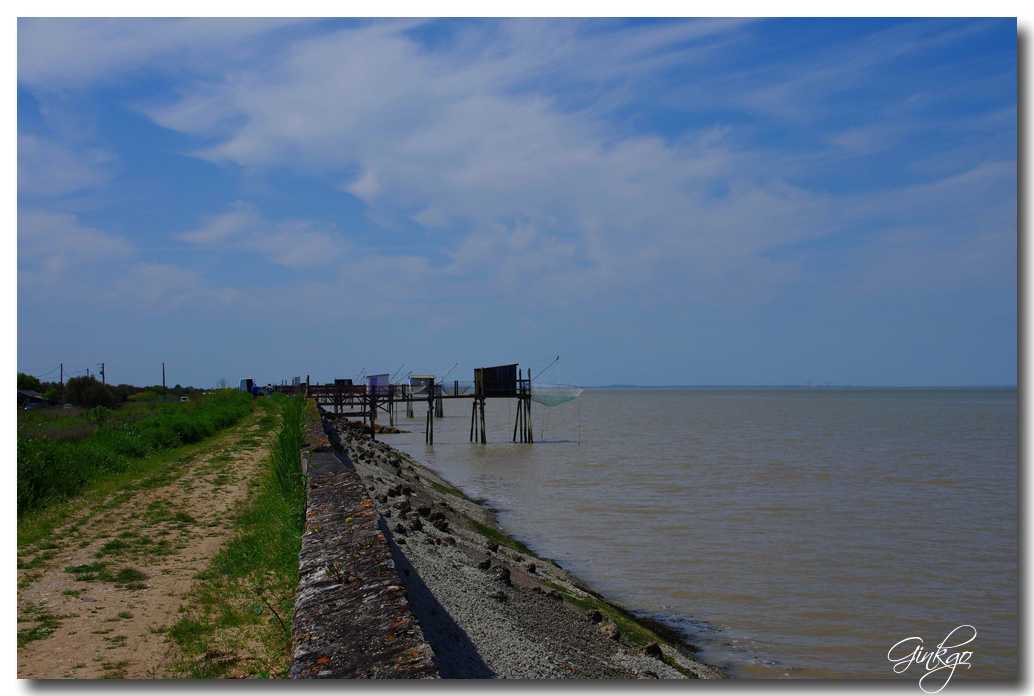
<point x="486" y="605"/>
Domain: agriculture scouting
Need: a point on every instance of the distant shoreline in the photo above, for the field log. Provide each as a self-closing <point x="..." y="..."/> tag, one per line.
<point x="795" y="386"/>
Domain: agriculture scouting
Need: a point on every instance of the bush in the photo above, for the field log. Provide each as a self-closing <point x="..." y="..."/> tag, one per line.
<point x="89" y="393"/>
<point x="27" y="382"/>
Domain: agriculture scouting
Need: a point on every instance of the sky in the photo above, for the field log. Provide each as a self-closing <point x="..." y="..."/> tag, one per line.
<point x="658" y="202"/>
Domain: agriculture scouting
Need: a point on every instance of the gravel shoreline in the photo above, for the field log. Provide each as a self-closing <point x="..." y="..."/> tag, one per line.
<point x="489" y="607"/>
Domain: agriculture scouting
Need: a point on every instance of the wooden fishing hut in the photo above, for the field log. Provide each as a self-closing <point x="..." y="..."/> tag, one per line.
<point x="500" y="382"/>
<point x="376" y="395"/>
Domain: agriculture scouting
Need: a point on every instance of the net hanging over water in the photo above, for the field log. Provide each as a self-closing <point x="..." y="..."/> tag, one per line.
<point x="554" y="394"/>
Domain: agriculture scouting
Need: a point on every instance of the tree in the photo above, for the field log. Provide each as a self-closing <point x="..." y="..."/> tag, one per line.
<point x="222" y="383"/>
<point x="27" y="382"/>
<point x="89" y="393"/>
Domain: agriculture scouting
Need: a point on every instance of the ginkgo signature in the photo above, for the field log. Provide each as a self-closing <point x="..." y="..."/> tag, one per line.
<point x="910" y="651"/>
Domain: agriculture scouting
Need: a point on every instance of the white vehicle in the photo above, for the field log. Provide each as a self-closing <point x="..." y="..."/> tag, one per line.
<point x="247" y="384"/>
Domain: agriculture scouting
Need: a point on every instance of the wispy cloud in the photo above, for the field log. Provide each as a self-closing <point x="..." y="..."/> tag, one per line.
<point x="47" y="167"/>
<point x="70" y="53"/>
<point x="655" y="167"/>
<point x="291" y="243"/>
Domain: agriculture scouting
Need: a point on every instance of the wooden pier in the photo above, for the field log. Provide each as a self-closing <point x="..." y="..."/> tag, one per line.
<point x="365" y="401"/>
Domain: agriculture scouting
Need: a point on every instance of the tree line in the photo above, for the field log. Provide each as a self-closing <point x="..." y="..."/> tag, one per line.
<point x="88" y="392"/>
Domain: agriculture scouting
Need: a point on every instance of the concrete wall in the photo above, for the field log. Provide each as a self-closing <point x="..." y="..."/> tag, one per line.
<point x="351" y="617"/>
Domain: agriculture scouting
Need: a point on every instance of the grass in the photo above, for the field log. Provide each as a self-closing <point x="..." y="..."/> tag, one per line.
<point x="44" y="620"/>
<point x="637" y="630"/>
<point x="242" y="604"/>
<point x="73" y="424"/>
<point x="114" y="670"/>
<point x="51" y="470"/>
<point x="454" y="492"/>
<point x="497" y="536"/>
<point x="107" y="493"/>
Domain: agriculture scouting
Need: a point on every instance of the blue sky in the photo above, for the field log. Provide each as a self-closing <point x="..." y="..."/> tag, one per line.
<point x="658" y="202"/>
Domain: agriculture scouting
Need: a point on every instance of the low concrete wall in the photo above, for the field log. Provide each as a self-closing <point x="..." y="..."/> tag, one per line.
<point x="351" y="616"/>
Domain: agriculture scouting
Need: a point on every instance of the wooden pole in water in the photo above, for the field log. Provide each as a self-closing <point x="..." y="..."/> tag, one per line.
<point x="373" y="415"/>
<point x="531" y="437"/>
<point x="430" y="418"/>
<point x="517" y="420"/>
<point x="484" y="435"/>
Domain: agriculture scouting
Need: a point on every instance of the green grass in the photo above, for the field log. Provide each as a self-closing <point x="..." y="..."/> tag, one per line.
<point x="638" y="631"/>
<point x="106" y="493"/>
<point x="114" y="670"/>
<point x="126" y="575"/>
<point x="497" y="536"/>
<point x="51" y="470"/>
<point x="250" y="584"/>
<point x="46" y="622"/>
<point x="454" y="492"/>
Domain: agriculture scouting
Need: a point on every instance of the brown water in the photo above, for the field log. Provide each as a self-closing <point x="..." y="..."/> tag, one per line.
<point x="788" y="532"/>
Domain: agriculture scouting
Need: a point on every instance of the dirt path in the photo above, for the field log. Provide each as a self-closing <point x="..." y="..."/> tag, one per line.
<point x="96" y="597"/>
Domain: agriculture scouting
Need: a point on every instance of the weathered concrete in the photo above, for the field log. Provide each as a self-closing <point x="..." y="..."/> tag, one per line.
<point x="488" y="606"/>
<point x="351" y="618"/>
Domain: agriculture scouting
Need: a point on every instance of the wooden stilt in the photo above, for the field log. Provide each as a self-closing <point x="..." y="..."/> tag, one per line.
<point x="373" y="416"/>
<point x="531" y="438"/>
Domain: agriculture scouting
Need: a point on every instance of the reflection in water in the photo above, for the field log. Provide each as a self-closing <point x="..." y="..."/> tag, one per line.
<point x="797" y="532"/>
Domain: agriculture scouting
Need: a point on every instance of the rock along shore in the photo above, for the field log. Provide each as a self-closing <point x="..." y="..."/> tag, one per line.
<point x="486" y="605"/>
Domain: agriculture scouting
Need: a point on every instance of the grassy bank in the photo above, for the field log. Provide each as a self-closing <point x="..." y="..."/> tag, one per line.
<point x="238" y="622"/>
<point x="52" y="470"/>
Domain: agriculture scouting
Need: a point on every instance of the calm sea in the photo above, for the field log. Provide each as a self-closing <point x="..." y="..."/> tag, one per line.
<point x="788" y="532"/>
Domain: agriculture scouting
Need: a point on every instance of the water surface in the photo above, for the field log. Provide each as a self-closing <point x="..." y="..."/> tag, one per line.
<point x="788" y="532"/>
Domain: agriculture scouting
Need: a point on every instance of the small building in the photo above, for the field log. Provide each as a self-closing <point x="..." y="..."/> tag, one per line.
<point x="378" y="384"/>
<point x="27" y="396"/>
<point x="419" y="384"/>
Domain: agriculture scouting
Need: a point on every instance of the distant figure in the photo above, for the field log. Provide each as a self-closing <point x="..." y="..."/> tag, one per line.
<point x="255" y="389"/>
<point x="269" y="391"/>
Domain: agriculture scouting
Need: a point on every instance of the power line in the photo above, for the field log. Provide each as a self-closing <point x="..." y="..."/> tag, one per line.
<point x="45" y="373"/>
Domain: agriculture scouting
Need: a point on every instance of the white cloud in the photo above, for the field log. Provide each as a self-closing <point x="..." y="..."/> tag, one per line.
<point x="164" y="288"/>
<point x="55" y="53"/>
<point x="292" y="243"/>
<point x="555" y="200"/>
<point x="59" y="257"/>
<point x="521" y="184"/>
<point x="49" y="168"/>
<point x="52" y="244"/>
<point x="242" y="218"/>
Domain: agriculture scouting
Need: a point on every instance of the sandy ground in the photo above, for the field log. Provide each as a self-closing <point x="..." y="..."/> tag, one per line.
<point x="167" y="526"/>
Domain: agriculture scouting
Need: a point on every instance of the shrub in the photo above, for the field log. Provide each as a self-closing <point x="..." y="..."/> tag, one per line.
<point x="27" y="382"/>
<point x="88" y="393"/>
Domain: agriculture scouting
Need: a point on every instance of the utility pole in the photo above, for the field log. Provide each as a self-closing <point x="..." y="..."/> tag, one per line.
<point x="103" y="381"/>
<point x="87" y="372"/>
<point x="163" y="383"/>
<point x="62" y="375"/>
